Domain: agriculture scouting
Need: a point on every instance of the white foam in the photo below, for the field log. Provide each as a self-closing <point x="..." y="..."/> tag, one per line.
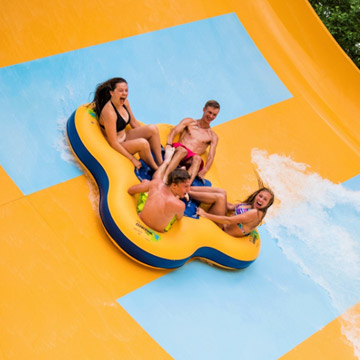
<point x="66" y="105"/>
<point x="61" y="144"/>
<point x="315" y="223"/>
<point x="350" y="327"/>
<point x="93" y="193"/>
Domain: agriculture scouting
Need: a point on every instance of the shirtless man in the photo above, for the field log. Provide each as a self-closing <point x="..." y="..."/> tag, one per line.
<point x="195" y="137"/>
<point x="159" y="205"/>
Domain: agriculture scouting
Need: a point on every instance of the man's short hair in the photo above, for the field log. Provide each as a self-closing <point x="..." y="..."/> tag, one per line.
<point x="178" y="176"/>
<point x="212" y="103"/>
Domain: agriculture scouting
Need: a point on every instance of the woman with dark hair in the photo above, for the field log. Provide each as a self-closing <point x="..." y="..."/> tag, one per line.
<point x="114" y="113"/>
<point x="245" y="217"/>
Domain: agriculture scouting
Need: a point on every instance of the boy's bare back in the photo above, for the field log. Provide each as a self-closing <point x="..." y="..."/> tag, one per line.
<point x="161" y="206"/>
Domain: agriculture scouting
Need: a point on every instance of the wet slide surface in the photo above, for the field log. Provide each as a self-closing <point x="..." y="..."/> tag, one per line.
<point x="289" y="103"/>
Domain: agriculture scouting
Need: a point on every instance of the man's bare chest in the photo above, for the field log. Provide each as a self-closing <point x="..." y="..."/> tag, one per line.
<point x="195" y="132"/>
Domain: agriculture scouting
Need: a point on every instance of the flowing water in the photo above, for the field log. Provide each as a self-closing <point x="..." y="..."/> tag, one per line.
<point x="316" y="224"/>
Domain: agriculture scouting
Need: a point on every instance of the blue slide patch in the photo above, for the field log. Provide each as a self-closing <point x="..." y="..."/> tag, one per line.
<point x="353" y="183"/>
<point x="203" y="312"/>
<point x="171" y="74"/>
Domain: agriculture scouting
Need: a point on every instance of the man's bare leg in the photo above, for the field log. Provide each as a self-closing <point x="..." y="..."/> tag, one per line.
<point x="194" y="167"/>
<point x="213" y="196"/>
<point x="179" y="154"/>
<point x="207" y="189"/>
<point x="169" y="153"/>
<point x="160" y="172"/>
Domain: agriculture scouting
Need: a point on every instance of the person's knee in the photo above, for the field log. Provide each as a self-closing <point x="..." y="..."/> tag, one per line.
<point x="153" y="129"/>
<point x="197" y="160"/>
<point x="219" y="196"/>
<point x="222" y="192"/>
<point x="180" y="152"/>
<point x="143" y="144"/>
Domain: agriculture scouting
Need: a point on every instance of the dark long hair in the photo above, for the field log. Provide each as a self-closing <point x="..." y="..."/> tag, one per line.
<point x="102" y="93"/>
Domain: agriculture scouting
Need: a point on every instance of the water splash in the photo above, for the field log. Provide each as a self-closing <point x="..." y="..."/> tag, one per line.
<point x="350" y="327"/>
<point x="61" y="143"/>
<point x="66" y="103"/>
<point x="94" y="196"/>
<point x="315" y="223"/>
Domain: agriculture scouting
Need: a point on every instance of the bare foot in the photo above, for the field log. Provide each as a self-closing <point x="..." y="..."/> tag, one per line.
<point x="169" y="152"/>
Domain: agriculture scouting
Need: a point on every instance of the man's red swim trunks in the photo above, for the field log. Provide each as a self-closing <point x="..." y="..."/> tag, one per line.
<point x="189" y="155"/>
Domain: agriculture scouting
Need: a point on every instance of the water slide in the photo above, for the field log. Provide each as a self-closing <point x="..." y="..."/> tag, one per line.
<point x="290" y="105"/>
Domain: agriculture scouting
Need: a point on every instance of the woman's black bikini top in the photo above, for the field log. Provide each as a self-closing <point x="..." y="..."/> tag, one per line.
<point x="120" y="122"/>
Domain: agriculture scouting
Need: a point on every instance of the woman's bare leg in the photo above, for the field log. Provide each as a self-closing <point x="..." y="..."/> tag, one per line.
<point x="142" y="147"/>
<point x="151" y="134"/>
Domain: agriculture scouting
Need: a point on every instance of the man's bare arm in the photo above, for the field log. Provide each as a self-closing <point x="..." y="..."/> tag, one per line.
<point x="144" y="186"/>
<point x="211" y="155"/>
<point x="178" y="129"/>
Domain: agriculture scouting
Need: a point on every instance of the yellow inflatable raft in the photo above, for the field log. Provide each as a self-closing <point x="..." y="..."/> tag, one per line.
<point x="188" y="239"/>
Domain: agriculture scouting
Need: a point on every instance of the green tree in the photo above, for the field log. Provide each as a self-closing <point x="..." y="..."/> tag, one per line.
<point x="342" y="18"/>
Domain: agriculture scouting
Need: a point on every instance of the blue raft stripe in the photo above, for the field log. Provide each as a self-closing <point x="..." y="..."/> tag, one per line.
<point x="113" y="229"/>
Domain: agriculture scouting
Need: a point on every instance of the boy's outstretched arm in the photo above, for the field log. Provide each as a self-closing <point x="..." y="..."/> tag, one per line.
<point x="144" y="186"/>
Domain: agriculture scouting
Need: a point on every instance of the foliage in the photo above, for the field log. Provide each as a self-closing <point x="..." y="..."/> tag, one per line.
<point x="341" y="17"/>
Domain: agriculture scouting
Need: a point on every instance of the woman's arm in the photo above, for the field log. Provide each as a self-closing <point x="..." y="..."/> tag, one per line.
<point x="216" y="218"/>
<point x="230" y="206"/>
<point x="229" y="220"/>
<point x="133" y="122"/>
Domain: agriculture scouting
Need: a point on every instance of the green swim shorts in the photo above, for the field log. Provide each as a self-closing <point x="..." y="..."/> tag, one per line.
<point x="141" y="203"/>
